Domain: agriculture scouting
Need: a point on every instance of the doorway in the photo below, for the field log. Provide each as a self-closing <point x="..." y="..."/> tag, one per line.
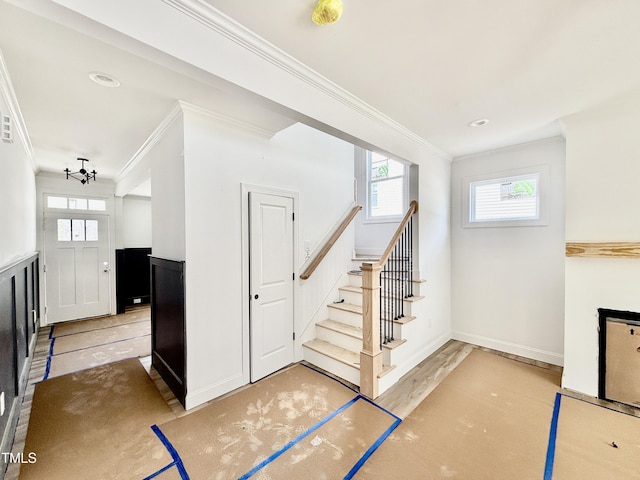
<point x="77" y="269"/>
<point x="271" y="282"/>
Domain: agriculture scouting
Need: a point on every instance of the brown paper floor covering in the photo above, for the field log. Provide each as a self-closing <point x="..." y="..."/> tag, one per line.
<point x="489" y="419"/>
<point x="585" y="443"/>
<point x="78" y="326"/>
<point x="103" y="336"/>
<point x="95" y="424"/>
<point x="89" y="343"/>
<point x="230" y="437"/>
<point x="100" y="355"/>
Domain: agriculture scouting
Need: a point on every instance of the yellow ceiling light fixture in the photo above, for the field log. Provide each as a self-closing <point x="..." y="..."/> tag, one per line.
<point x="327" y="11"/>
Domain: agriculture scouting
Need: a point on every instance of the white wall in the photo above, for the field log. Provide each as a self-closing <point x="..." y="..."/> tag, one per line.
<point x="603" y="168"/>
<point x="168" y="180"/>
<point x="507" y="282"/>
<point x="18" y="198"/>
<point x="135" y="222"/>
<point x="218" y="161"/>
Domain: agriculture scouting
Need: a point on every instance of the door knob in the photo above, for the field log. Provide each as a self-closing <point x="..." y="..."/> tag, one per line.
<point x="106" y="266"/>
<point x="256" y="296"/>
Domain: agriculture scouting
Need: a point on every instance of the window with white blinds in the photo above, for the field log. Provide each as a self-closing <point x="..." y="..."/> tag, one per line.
<point x="517" y="198"/>
<point x="514" y="198"/>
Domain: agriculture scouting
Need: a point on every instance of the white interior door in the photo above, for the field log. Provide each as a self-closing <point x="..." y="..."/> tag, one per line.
<point x="271" y="283"/>
<point x="77" y="269"/>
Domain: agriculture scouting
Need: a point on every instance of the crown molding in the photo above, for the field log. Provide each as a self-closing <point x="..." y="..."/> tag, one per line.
<point x="177" y="110"/>
<point x="151" y="141"/>
<point x="224" y="25"/>
<point x="9" y="96"/>
<point x="228" y="121"/>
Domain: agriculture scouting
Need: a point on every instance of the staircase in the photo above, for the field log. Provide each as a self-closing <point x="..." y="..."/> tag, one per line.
<point x="338" y="341"/>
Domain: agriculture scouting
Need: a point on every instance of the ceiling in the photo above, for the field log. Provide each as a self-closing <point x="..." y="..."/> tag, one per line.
<point x="431" y="65"/>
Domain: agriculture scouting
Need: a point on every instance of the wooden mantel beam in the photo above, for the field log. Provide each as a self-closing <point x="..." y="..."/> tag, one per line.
<point x="603" y="249"/>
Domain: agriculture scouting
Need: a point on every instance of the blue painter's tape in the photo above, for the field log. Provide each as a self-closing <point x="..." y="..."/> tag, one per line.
<point x="51" y="332"/>
<point x="177" y="461"/>
<point x="372" y="448"/>
<point x="46" y="371"/>
<point x="53" y="341"/>
<point x="381" y="408"/>
<point x="161" y="471"/>
<point x="553" y="431"/>
<point x="292" y="443"/>
<point x="329" y="376"/>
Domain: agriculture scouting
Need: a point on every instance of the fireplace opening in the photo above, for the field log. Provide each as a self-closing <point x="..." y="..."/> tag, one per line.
<point x="619" y="356"/>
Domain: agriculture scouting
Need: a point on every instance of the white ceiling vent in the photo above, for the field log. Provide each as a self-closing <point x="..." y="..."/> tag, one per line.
<point x="6" y="128"/>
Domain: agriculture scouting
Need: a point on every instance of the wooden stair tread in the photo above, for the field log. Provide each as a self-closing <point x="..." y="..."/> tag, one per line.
<point x="340" y="354"/>
<point x="350" y="330"/>
<point x="404" y="320"/>
<point x="347" y="307"/>
<point x="351" y="289"/>
<point x="395" y="343"/>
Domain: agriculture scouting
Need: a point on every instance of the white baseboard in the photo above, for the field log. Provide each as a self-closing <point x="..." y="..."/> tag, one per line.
<point x="513" y="348"/>
<point x="203" y="395"/>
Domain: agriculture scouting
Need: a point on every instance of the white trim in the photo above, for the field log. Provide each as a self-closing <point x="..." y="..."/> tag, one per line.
<point x="509" y="347"/>
<point x="224" y="25"/>
<point x="150" y="142"/>
<point x="518" y="146"/>
<point x="9" y="96"/>
<point x="246" y="289"/>
<point x="229" y="121"/>
<point x="203" y="395"/>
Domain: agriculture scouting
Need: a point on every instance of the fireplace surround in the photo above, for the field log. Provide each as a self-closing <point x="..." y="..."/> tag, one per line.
<point x="619" y="356"/>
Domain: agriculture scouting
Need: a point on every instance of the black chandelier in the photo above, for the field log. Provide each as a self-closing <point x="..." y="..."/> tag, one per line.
<point x="84" y="175"/>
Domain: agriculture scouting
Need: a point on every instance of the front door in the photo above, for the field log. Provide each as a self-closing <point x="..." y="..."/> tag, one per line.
<point x="76" y="266"/>
<point x="271" y="283"/>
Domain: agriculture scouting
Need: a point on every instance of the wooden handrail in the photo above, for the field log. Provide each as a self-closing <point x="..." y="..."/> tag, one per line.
<point x="413" y="208"/>
<point x="332" y="240"/>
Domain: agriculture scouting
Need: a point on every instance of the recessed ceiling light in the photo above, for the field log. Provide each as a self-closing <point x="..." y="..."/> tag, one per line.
<point x="481" y="122"/>
<point x="104" y="79"/>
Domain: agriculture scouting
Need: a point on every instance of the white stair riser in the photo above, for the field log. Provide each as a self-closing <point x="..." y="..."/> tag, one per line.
<point x="333" y="366"/>
<point x="340" y="339"/>
<point x="397" y="356"/>
<point x="398" y="331"/>
<point x="355" y="280"/>
<point x="389" y="380"/>
<point x="350" y="318"/>
<point x="407" y="306"/>
<point x="354" y="298"/>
